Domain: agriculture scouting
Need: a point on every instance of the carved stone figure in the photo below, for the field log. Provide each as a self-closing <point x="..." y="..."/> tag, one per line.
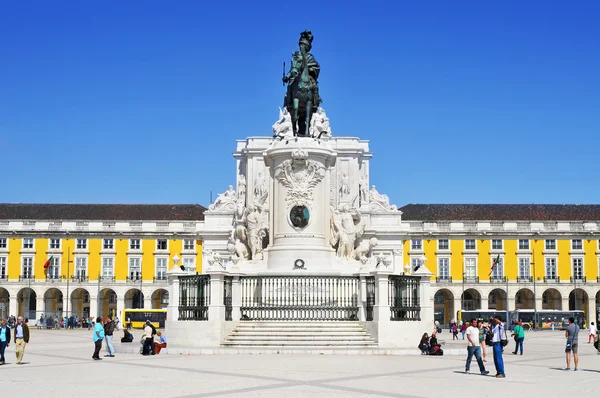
<point x="213" y="258"/>
<point x="260" y="187"/>
<point x="346" y="227"/>
<point x="256" y="230"/>
<point x="300" y="176"/>
<point x="302" y="98"/>
<point x="283" y="127"/>
<point x="365" y="249"/>
<point x="225" y="200"/>
<point x="242" y="187"/>
<point x="384" y="259"/>
<point x="344" y="185"/>
<point x="379" y="201"/>
<point x="364" y="189"/>
<point x="238" y="249"/>
<point x="319" y="125"/>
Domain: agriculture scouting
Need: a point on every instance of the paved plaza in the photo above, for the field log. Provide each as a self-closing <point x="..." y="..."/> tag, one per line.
<point x="59" y="364"/>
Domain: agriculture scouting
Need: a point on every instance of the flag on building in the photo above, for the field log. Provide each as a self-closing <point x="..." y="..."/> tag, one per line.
<point x="495" y="263"/>
<point x="48" y="262"/>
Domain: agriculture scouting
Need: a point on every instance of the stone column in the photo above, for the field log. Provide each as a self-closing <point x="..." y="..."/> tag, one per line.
<point x="592" y="311"/>
<point x="13" y="306"/>
<point x="216" y="309"/>
<point x="425" y="294"/>
<point x="120" y="306"/>
<point x="236" y="298"/>
<point x="362" y="299"/>
<point x="93" y="306"/>
<point x="381" y="309"/>
<point x="565" y="302"/>
<point x="485" y="302"/>
<point x="147" y="301"/>
<point x="40" y="308"/>
<point x="173" y="280"/>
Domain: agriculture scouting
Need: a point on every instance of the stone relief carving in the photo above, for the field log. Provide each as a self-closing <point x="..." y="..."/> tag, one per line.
<point x="344" y="185"/>
<point x="300" y="176"/>
<point x="215" y="259"/>
<point x="255" y="223"/>
<point x="380" y="202"/>
<point x="283" y="127"/>
<point x="319" y="124"/>
<point x="260" y="186"/>
<point x="226" y="201"/>
<point x="346" y="227"/>
<point x="364" y="250"/>
<point x="364" y="189"/>
<point x="237" y="249"/>
<point x="242" y="187"/>
<point x="383" y="259"/>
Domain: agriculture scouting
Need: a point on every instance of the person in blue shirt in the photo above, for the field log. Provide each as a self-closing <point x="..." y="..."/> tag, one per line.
<point x="98" y="337"/>
<point x="4" y="340"/>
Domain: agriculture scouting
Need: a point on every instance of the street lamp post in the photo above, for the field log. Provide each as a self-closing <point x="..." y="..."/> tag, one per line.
<point x="98" y="297"/>
<point x="535" y="318"/>
<point x="68" y="272"/>
<point x="141" y="300"/>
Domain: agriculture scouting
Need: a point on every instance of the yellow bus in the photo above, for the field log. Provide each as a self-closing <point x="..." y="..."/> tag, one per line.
<point x="139" y="316"/>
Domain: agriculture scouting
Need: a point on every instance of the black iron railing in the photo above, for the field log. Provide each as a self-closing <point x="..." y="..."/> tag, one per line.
<point x="107" y="279"/>
<point x="54" y="278"/>
<point x="443" y="279"/>
<point x="404" y="298"/>
<point x="551" y="279"/>
<point x="194" y="297"/>
<point x="498" y="279"/>
<point x="525" y="279"/>
<point x="78" y="278"/>
<point x="370" y="297"/>
<point x="227" y="297"/>
<point x="471" y="279"/>
<point x="159" y="279"/>
<point x="133" y="279"/>
<point x="306" y="298"/>
<point x="578" y="279"/>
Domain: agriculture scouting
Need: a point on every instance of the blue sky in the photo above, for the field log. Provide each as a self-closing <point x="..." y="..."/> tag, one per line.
<point x="142" y="101"/>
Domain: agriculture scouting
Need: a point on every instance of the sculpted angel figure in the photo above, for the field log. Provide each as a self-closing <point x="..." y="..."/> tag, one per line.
<point x="381" y="199"/>
<point x="242" y="187"/>
<point x="259" y="185"/>
<point x="346" y="227"/>
<point x="283" y="127"/>
<point x="256" y="230"/>
<point x="224" y="198"/>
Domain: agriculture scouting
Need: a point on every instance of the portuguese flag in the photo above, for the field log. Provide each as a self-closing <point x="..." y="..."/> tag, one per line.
<point x="47" y="263"/>
<point x="495" y="263"/>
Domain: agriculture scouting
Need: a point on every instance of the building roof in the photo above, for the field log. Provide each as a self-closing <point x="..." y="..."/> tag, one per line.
<point x="116" y="212"/>
<point x="484" y="212"/>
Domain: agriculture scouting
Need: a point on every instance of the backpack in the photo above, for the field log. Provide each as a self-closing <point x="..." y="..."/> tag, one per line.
<point x="436" y="350"/>
<point x="596" y="342"/>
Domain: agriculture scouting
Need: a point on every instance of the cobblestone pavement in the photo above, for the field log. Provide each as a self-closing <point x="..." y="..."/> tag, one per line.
<point x="59" y="364"/>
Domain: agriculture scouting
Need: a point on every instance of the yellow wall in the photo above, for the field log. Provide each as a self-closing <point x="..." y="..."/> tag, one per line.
<point x="590" y="262"/>
<point x="511" y="263"/>
<point x="121" y="265"/>
<point x="457" y="259"/>
<point x="484" y="261"/>
<point x="199" y="256"/>
<point x="538" y="268"/>
<point x="41" y="247"/>
<point x="14" y="258"/>
<point x="564" y="259"/>
<point x="148" y="263"/>
<point x="94" y="264"/>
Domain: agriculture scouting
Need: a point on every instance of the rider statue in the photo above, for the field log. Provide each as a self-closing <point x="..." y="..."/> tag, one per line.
<point x="302" y="98"/>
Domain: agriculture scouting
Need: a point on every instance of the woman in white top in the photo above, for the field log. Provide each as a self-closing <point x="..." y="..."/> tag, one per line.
<point x="592" y="330"/>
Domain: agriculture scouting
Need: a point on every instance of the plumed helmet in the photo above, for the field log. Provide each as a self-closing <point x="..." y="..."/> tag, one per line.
<point x="306" y="37"/>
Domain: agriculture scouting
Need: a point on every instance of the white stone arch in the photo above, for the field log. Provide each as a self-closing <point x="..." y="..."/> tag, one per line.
<point x="80" y="302"/>
<point x="524" y="299"/>
<point x="471" y="299"/>
<point x="160" y="298"/>
<point x="134" y="298"/>
<point x="5" y="298"/>
<point x="27" y="298"/>
<point x="497" y="299"/>
<point x="107" y="302"/>
<point x="579" y="299"/>
<point x="552" y="298"/>
<point x="53" y="302"/>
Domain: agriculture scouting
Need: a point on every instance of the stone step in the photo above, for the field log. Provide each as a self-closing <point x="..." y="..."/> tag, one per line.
<point x="301" y="330"/>
<point x="302" y="324"/>
<point x="311" y="344"/>
<point x="300" y="338"/>
<point x="305" y="334"/>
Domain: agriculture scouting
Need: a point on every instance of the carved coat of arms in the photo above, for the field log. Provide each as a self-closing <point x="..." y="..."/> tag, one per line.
<point x="300" y="176"/>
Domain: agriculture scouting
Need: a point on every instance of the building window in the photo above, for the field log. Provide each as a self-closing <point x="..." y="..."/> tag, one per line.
<point x="135" y="268"/>
<point x="80" y="267"/>
<point x="444" y="268"/>
<point x="27" y="243"/>
<point x="161" y="244"/>
<point x="578" y="268"/>
<point x="27" y="267"/>
<point x="189" y="264"/>
<point x="416" y="244"/>
<point x="576" y="244"/>
<point x="54" y="243"/>
<point x="54" y="268"/>
<point x="551" y="272"/>
<point x="3" y="243"/>
<point x="188" y="244"/>
<point x="470" y="267"/>
<point x="107" y="267"/>
<point x="550" y="244"/>
<point x="81" y="244"/>
<point x="108" y="244"/>
<point x="496" y="244"/>
<point x="161" y="268"/>
<point x="524" y="268"/>
<point x="523" y="244"/>
<point x="3" y="268"/>
<point x="134" y="244"/>
<point x="470" y="244"/>
<point x="443" y="244"/>
<point x="415" y="263"/>
<point x="498" y="271"/>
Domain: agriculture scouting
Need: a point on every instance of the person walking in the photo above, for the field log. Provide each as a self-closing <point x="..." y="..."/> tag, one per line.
<point x="4" y="340"/>
<point x="463" y="329"/>
<point x="592" y="330"/>
<point x="519" y="335"/>
<point x="483" y="332"/>
<point x="98" y="337"/>
<point x="109" y="328"/>
<point x="572" y="336"/>
<point x="454" y="330"/>
<point x="497" y="337"/>
<point x="21" y="338"/>
<point x="474" y="348"/>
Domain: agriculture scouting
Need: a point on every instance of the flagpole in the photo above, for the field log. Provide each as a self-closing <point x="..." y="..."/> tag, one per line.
<point x="68" y="272"/>
<point x="507" y="320"/>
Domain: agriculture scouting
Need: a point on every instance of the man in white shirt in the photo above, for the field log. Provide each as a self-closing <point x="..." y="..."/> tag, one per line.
<point x="473" y="348"/>
<point x="498" y="334"/>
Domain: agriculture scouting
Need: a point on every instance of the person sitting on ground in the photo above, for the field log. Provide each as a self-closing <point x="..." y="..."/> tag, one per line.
<point x="162" y="343"/>
<point x="424" y="344"/>
<point x="127" y="337"/>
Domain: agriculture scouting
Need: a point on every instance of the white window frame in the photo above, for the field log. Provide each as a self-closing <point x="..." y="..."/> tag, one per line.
<point x="29" y="266"/>
<point x="108" y="244"/>
<point x="159" y="271"/>
<point x="81" y="263"/>
<point x="132" y="275"/>
<point x="474" y="241"/>
<point x="27" y="242"/>
<point x="573" y="244"/>
<point x="54" y="243"/>
<point x="524" y="244"/>
<point x="447" y="241"/>
<point x="496" y="241"/>
<point x="524" y="267"/>
<point x="573" y="273"/>
<point x="3" y="267"/>
<point x="416" y="244"/>
<point x="3" y="243"/>
<point x="166" y="246"/>
<point x="189" y="244"/>
<point x="189" y="268"/>
<point x="135" y="242"/>
<point x="106" y="268"/>
<point x="444" y="264"/>
<point x="498" y="272"/>
<point x="548" y="243"/>
<point x="470" y="267"/>
<point x="551" y="263"/>
<point x="53" y="271"/>
<point x="81" y="244"/>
